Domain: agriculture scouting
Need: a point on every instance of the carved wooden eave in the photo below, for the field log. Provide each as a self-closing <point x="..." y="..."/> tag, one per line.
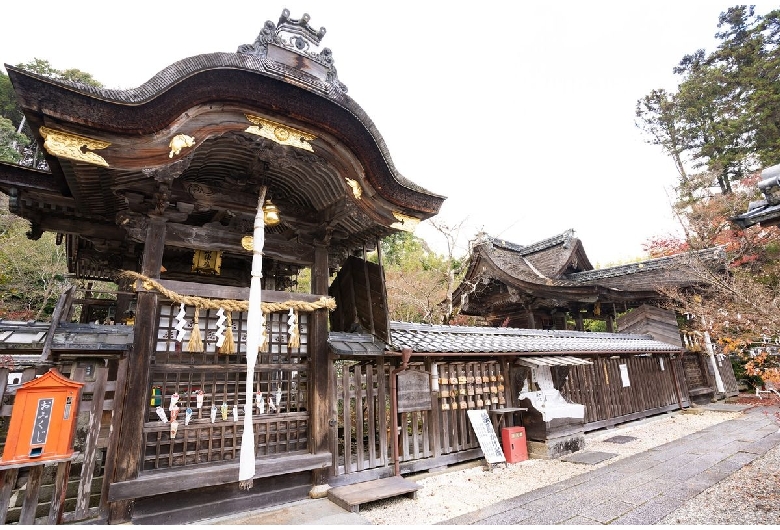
<point x="195" y="143"/>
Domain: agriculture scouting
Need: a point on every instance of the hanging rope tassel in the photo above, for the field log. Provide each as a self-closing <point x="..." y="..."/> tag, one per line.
<point x="196" y="342"/>
<point x="292" y="329"/>
<point x="263" y="335"/>
<point x="229" y="345"/>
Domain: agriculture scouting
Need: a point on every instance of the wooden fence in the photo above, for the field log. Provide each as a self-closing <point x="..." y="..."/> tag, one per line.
<point x="613" y="389"/>
<point x="361" y="440"/>
<point x="429" y="438"/>
<point x="619" y="389"/>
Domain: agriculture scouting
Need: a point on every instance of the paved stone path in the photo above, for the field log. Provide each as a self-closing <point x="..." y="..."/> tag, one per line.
<point x="644" y="488"/>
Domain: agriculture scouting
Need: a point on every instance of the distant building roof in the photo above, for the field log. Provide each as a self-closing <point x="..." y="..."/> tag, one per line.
<point x="766" y="211"/>
<point x="556" y="273"/>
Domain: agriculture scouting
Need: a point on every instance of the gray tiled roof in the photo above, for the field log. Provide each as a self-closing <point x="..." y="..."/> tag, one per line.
<point x="92" y="337"/>
<point x="15" y="335"/>
<point x="461" y="339"/>
<point x="18" y="335"/>
<point x="663" y="263"/>
<point x="355" y="344"/>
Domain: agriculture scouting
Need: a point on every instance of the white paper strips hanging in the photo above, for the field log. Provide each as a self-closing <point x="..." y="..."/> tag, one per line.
<point x="161" y="414"/>
<point x="213" y="413"/>
<point x="187" y="416"/>
<point x="263" y="339"/>
<point x="260" y="402"/>
<point x="220" y="334"/>
<point x="180" y="323"/>
<point x="292" y="329"/>
<point x="235" y="412"/>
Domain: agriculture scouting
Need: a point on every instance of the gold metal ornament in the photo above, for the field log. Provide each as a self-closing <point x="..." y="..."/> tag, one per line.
<point x="279" y="133"/>
<point x="357" y="191"/>
<point x="179" y="142"/>
<point x="405" y="222"/>
<point x="248" y="242"/>
<point x="73" y="146"/>
<point x="270" y="213"/>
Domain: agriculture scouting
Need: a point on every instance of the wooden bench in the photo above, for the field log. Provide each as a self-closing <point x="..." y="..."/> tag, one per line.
<point x="351" y="497"/>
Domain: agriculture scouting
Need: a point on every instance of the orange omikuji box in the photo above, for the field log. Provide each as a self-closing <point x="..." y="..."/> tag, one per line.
<point x="43" y="420"/>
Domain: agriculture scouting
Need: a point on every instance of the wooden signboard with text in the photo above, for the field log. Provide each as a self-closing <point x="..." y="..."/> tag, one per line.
<point x="486" y="435"/>
<point x="414" y="391"/>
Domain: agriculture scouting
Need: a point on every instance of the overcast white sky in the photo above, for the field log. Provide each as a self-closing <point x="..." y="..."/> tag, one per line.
<point x="521" y="113"/>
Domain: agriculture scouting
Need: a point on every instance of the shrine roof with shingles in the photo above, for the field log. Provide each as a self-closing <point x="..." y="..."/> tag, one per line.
<point x="664" y="263"/>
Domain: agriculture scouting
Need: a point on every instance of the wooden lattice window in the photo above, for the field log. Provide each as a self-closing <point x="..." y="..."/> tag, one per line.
<point x="281" y="424"/>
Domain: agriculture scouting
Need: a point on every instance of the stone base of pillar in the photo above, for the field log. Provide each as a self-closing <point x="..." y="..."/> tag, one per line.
<point x="319" y="492"/>
<point x="556" y="447"/>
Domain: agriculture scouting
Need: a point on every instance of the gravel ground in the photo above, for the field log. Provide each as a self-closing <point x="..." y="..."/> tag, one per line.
<point x="752" y="492"/>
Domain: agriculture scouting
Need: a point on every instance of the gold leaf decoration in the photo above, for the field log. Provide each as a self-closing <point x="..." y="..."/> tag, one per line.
<point x="405" y="222"/>
<point x="73" y="146"/>
<point x="279" y="133"/>
<point x="357" y="191"/>
<point x="179" y="142"/>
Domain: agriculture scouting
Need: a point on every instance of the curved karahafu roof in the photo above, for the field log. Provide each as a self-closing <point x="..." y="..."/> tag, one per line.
<point x="197" y="141"/>
<point x="556" y="273"/>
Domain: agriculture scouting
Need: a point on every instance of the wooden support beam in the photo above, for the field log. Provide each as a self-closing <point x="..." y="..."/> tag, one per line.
<point x="128" y="457"/>
<point x="320" y="377"/>
<point x="209" y="237"/>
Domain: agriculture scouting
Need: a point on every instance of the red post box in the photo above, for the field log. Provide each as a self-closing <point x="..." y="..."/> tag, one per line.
<point x="43" y="420"/>
<point x="515" y="447"/>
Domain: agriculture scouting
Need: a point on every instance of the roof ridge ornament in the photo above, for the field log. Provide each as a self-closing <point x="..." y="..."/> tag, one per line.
<point x="302" y="32"/>
<point x="298" y="37"/>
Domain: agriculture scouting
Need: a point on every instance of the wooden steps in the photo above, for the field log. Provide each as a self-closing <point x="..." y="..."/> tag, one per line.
<point x="351" y="497"/>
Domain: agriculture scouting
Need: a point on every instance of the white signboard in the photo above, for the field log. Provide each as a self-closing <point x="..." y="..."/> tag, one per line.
<point x="624" y="375"/>
<point x="486" y="435"/>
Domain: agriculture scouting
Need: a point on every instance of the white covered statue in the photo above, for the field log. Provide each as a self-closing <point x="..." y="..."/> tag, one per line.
<point x="547" y="399"/>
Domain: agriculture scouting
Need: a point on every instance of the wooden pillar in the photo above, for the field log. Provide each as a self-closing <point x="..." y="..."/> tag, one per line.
<point x="320" y="367"/>
<point x="128" y="459"/>
<point x="578" y="320"/>
<point x="610" y="323"/>
<point x="124" y="297"/>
